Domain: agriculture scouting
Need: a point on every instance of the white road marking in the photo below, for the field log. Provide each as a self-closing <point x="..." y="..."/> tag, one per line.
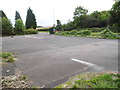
<point x="34" y="37"/>
<point x="88" y="64"/>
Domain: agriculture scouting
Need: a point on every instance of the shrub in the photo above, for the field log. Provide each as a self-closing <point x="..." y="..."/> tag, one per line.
<point x="108" y="34"/>
<point x="10" y="59"/>
<point x="73" y="32"/>
<point x="65" y="32"/>
<point x="19" y="26"/>
<point x="84" y="32"/>
<point x="96" y="29"/>
<point x="6" y="26"/>
<point x="31" y="31"/>
<point x="5" y="55"/>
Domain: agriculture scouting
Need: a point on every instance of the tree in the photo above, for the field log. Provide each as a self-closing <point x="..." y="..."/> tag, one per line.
<point x="7" y="28"/>
<point x="69" y="26"/>
<point x="115" y="16"/>
<point x="30" y="20"/>
<point x="79" y="14"/>
<point x="19" y="26"/>
<point x="79" y="11"/>
<point x="58" y="26"/>
<point x="2" y="14"/>
<point x="17" y="16"/>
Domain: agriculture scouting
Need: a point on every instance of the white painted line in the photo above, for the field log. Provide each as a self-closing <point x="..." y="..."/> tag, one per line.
<point x="83" y="62"/>
<point x="88" y="64"/>
<point x="34" y="37"/>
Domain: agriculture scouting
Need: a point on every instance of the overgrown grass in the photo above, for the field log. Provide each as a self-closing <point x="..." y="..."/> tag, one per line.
<point x="31" y="31"/>
<point x="7" y="57"/>
<point x="44" y="31"/>
<point x="93" y="80"/>
<point x="105" y="34"/>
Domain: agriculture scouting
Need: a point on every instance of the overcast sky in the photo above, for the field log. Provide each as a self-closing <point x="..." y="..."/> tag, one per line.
<point x="46" y="10"/>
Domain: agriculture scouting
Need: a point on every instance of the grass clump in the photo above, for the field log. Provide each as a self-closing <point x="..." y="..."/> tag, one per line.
<point x="31" y="31"/>
<point x="104" y="34"/>
<point x="108" y="34"/>
<point x="7" y="57"/>
<point x="93" y="80"/>
<point x="74" y="33"/>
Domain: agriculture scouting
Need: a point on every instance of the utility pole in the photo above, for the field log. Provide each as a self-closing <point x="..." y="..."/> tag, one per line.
<point x="53" y="19"/>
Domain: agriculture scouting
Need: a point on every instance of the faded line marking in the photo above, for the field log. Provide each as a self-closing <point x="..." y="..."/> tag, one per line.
<point x="34" y="37"/>
<point x="88" y="64"/>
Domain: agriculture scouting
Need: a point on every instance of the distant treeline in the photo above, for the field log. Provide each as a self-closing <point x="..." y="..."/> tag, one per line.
<point x="107" y="19"/>
<point x="19" y="27"/>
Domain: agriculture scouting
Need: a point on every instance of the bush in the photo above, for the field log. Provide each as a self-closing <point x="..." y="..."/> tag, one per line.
<point x="73" y="32"/>
<point x="108" y="34"/>
<point x="6" y="26"/>
<point x="84" y="32"/>
<point x="65" y="32"/>
<point x="19" y="26"/>
<point x="5" y="55"/>
<point x="31" y="31"/>
<point x="96" y="29"/>
<point x="76" y="32"/>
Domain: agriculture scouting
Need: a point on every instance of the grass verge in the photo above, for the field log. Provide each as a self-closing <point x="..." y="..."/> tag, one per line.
<point x="7" y="57"/>
<point x="93" y="80"/>
<point x="44" y="31"/>
<point x="105" y="34"/>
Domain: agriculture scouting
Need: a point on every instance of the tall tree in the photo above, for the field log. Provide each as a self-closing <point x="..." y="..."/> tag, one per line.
<point x="17" y="15"/>
<point x="58" y="27"/>
<point x="7" y="28"/>
<point x="79" y="11"/>
<point x="2" y="14"/>
<point x="79" y="14"/>
<point x="115" y="16"/>
<point x="30" y="20"/>
<point x="5" y="24"/>
<point x="19" y="26"/>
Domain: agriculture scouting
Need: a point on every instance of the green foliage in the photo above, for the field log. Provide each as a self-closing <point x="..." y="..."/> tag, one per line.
<point x="7" y="28"/>
<point x="108" y="34"/>
<point x="69" y="26"/>
<point x="73" y="32"/>
<point x="65" y="32"/>
<point x="104" y="34"/>
<point x="84" y="32"/>
<point x="104" y="80"/>
<point x="10" y="59"/>
<point x="115" y="17"/>
<point x="96" y="29"/>
<point x="19" y="26"/>
<point x="2" y="14"/>
<point x="58" y="26"/>
<point x="17" y="16"/>
<point x="23" y="77"/>
<point x="79" y="11"/>
<point x="30" y="20"/>
<point x="31" y="31"/>
<point x="7" y="57"/>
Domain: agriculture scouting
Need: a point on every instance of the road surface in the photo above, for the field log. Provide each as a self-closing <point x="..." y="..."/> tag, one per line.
<point x="49" y="60"/>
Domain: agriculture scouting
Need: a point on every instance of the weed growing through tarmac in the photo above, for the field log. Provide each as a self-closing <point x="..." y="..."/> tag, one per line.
<point x="7" y="57"/>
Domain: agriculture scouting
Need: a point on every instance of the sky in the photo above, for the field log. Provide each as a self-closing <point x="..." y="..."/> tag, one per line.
<point x="48" y="11"/>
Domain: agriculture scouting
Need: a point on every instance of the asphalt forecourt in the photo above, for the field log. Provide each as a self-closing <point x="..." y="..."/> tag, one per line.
<point x="49" y="60"/>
